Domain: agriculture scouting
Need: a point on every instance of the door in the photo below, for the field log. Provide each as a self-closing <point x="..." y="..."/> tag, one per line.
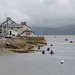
<point x="10" y="32"/>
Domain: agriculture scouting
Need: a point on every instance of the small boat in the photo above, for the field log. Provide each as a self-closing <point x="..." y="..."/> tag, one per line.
<point x="48" y="49"/>
<point x="43" y="52"/>
<point x="51" y="52"/>
<point x="8" y="36"/>
<point x="71" y="41"/>
<point x="62" y="61"/>
<point x="38" y="46"/>
<point x="66" y="39"/>
<point x="55" y="37"/>
<point x="41" y="45"/>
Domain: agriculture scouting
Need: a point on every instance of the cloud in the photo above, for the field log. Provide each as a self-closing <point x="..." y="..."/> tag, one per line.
<point x="50" y="13"/>
<point x="63" y="1"/>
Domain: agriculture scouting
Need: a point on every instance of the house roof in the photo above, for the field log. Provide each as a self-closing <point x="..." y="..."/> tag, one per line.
<point x="13" y="25"/>
<point x="27" y="31"/>
<point x="12" y="22"/>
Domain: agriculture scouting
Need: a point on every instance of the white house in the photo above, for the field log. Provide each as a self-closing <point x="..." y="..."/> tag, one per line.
<point x="12" y="32"/>
<point x="11" y="27"/>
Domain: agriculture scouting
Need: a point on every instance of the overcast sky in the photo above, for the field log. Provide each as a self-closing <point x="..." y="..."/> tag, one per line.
<point x="48" y="13"/>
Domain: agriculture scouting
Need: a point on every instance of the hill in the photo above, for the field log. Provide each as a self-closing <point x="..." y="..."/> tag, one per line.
<point x="65" y="30"/>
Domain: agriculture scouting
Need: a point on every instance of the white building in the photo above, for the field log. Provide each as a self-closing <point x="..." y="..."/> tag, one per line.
<point x="11" y="27"/>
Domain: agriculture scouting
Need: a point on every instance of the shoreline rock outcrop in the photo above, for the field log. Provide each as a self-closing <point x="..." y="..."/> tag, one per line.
<point x="20" y="44"/>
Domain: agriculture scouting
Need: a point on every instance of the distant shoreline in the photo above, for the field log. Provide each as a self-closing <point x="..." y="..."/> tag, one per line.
<point x="59" y="35"/>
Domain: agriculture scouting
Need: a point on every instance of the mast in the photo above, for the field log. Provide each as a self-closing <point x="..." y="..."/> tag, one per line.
<point x="41" y="30"/>
<point x="6" y="24"/>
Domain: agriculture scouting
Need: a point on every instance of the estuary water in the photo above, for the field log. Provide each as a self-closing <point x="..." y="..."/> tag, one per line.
<point x="39" y="64"/>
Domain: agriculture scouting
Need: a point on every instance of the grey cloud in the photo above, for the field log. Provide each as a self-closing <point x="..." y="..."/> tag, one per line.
<point x="50" y="13"/>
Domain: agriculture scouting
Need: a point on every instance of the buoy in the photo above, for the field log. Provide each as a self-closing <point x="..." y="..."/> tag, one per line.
<point x="71" y="41"/>
<point x="62" y="61"/>
<point x="51" y="45"/>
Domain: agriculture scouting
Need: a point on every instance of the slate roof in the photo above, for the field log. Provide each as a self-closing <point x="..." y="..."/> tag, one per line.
<point x="8" y="21"/>
<point x="13" y="25"/>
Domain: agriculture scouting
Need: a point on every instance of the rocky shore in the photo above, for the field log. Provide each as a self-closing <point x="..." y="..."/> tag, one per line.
<point x="20" y="44"/>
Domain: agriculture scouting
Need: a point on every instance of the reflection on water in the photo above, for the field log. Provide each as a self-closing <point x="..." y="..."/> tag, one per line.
<point x="39" y="64"/>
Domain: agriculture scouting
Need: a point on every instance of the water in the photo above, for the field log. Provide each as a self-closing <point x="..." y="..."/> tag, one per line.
<point x="39" y="64"/>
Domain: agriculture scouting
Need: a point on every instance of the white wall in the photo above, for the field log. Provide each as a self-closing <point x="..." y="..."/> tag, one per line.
<point x="31" y="35"/>
<point x="12" y="32"/>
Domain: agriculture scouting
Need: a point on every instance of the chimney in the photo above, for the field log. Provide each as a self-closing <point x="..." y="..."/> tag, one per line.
<point x="23" y="23"/>
<point x="8" y="18"/>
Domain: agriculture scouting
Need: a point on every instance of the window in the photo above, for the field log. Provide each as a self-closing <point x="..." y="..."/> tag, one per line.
<point x="11" y="27"/>
<point x="18" y="28"/>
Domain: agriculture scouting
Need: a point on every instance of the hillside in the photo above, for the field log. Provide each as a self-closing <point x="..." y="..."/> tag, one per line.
<point x="65" y="30"/>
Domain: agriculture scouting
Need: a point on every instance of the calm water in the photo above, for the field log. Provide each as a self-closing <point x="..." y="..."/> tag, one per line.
<point x="38" y="64"/>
